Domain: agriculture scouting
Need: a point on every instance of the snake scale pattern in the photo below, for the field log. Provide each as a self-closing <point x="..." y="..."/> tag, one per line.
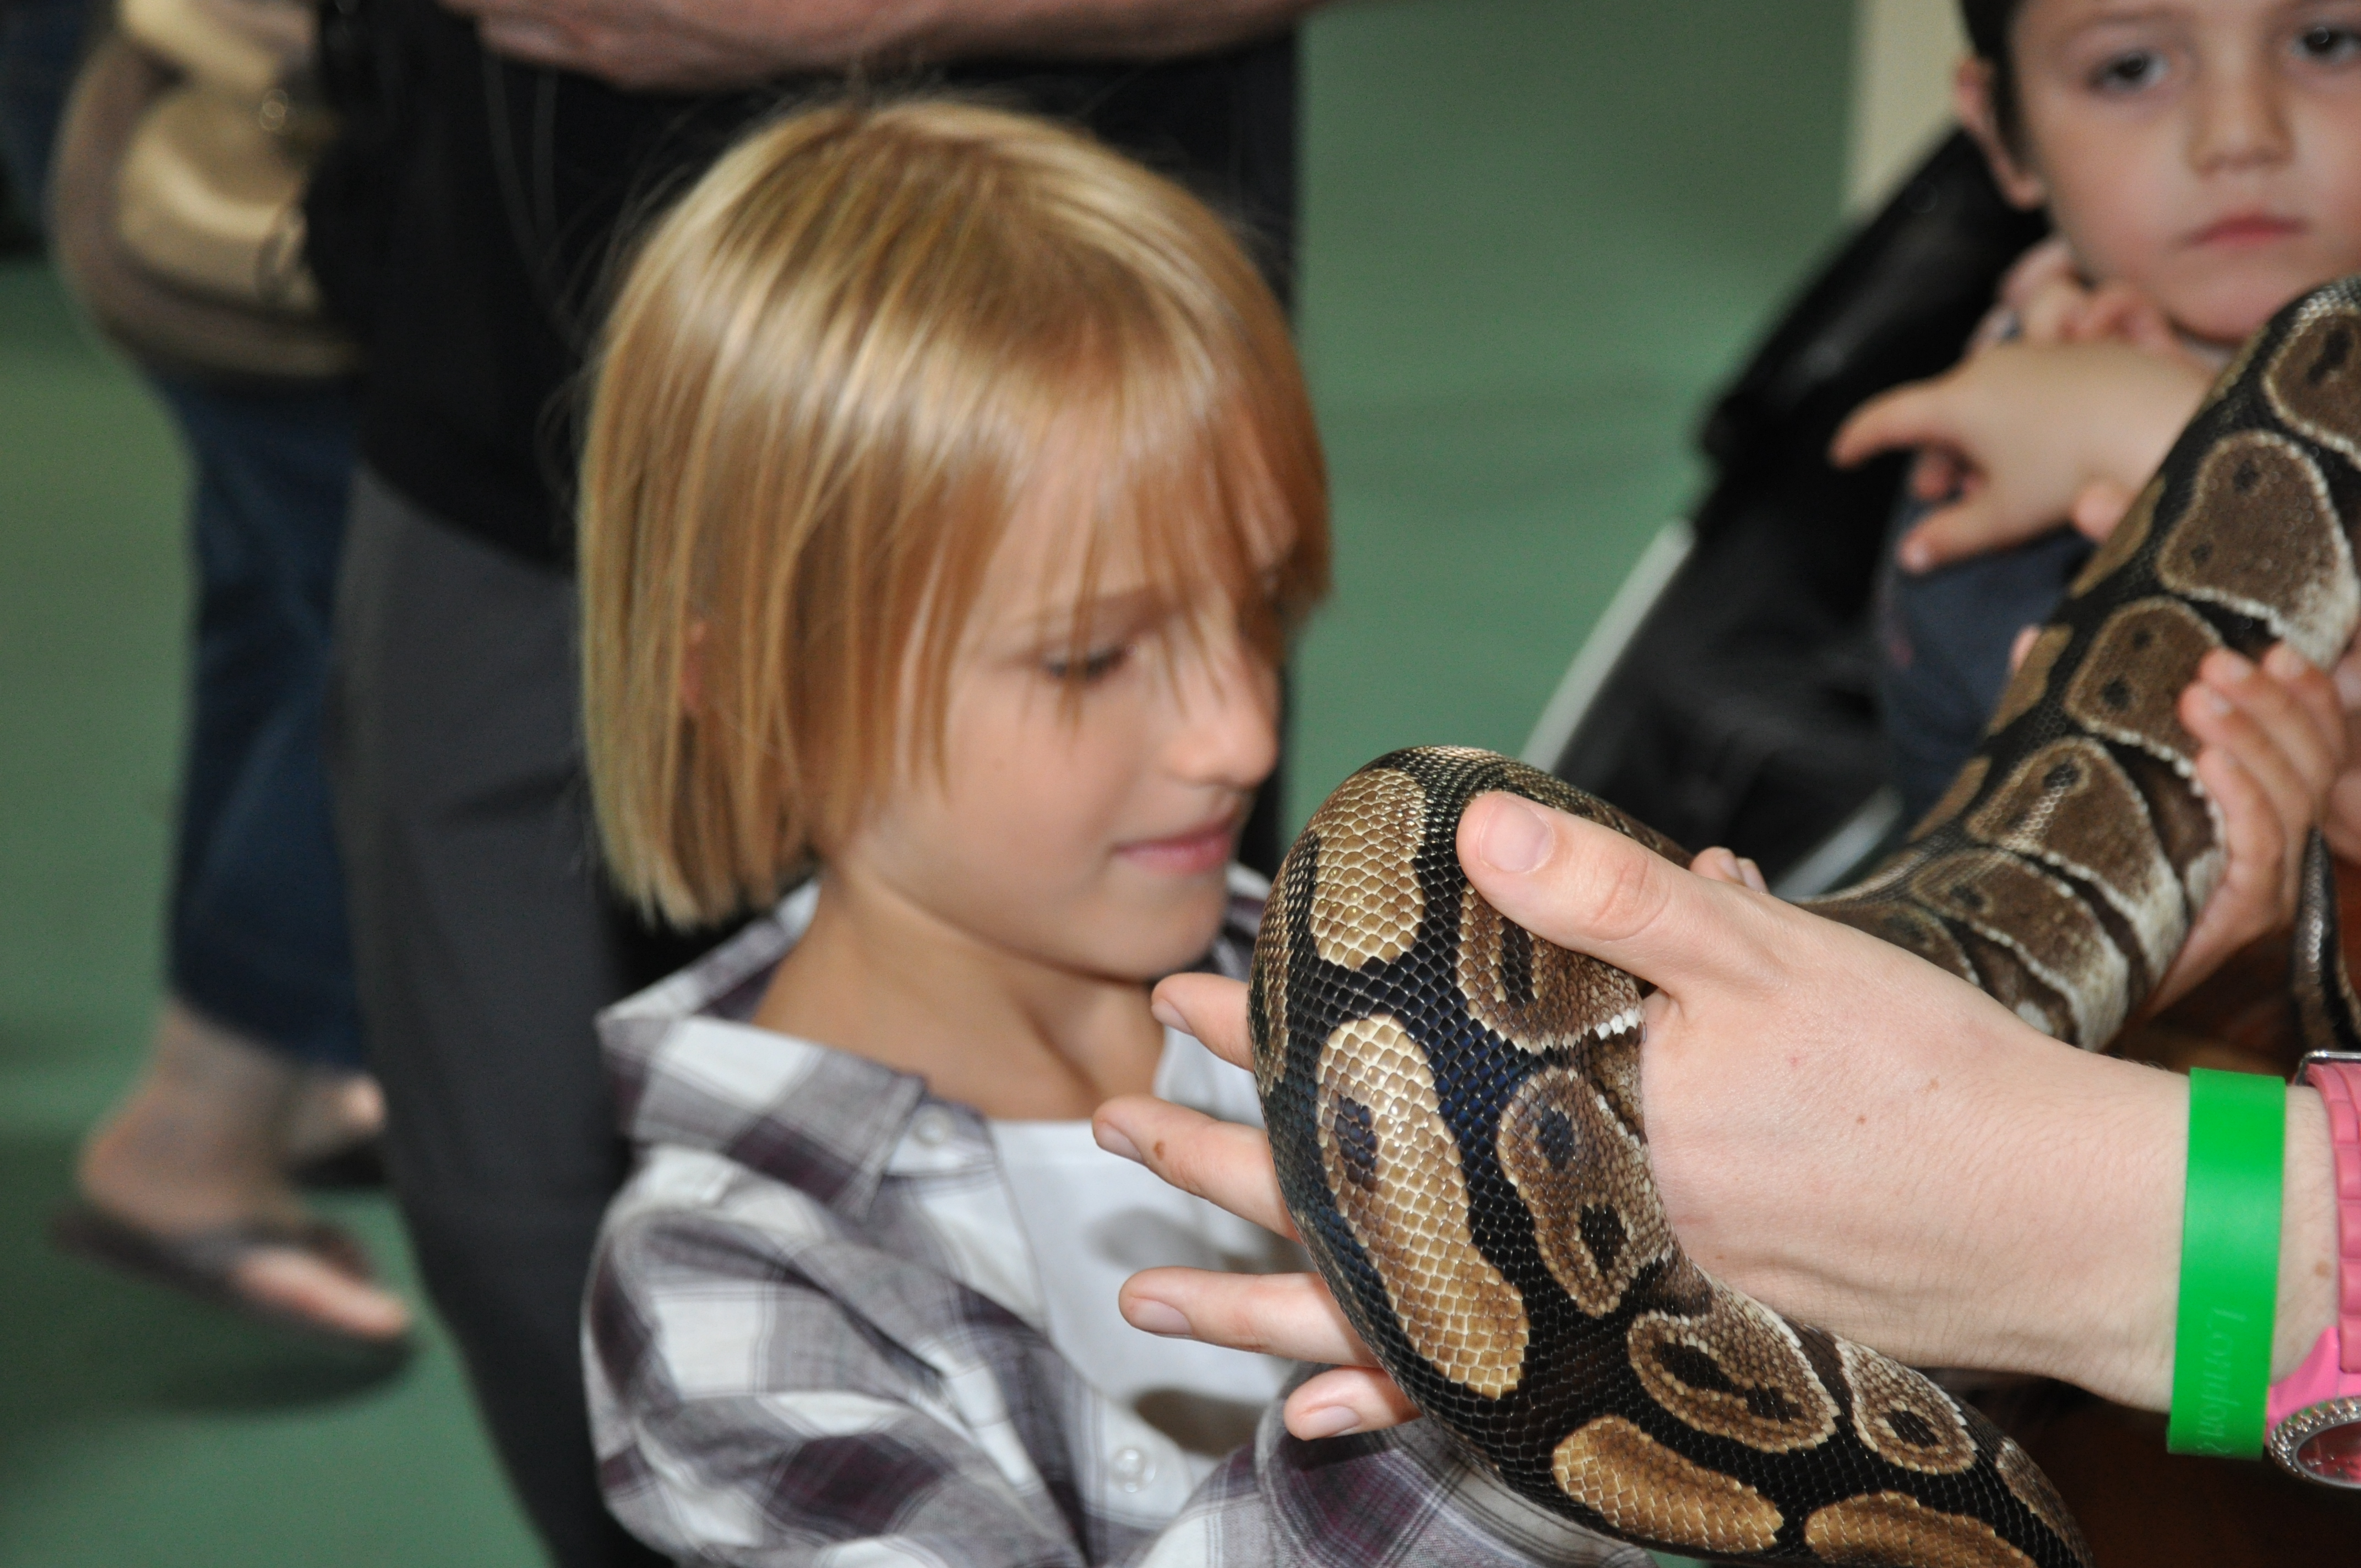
<point x="1453" y="1105"/>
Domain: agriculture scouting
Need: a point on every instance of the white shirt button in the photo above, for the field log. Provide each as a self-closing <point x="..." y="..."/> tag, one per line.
<point x="932" y="1126"/>
<point x="1131" y="1469"/>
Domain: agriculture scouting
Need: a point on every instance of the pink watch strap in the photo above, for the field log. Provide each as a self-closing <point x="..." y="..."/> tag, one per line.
<point x="2333" y="1370"/>
<point x="2339" y="1083"/>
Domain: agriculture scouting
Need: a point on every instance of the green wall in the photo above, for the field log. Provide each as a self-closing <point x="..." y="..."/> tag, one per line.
<point x="1539" y="233"/>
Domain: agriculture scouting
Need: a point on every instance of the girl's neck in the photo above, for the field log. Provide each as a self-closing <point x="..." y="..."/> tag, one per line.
<point x="877" y="976"/>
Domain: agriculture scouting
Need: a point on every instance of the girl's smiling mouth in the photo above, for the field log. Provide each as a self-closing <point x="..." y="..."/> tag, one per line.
<point x="1188" y="853"/>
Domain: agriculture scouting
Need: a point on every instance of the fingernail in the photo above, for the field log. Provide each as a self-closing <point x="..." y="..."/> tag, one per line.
<point x="1329" y="1420"/>
<point x="1913" y="555"/>
<point x="2284" y="661"/>
<point x="2213" y="702"/>
<point x="1156" y="1318"/>
<point x="2234" y="666"/>
<point x="1167" y="1014"/>
<point x="1517" y="838"/>
<point x="1111" y="1139"/>
<point x="1754" y="875"/>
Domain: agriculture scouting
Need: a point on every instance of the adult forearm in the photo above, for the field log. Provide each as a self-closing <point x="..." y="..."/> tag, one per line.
<point x="700" y="45"/>
<point x="1141" y="29"/>
<point x="2088" y="1293"/>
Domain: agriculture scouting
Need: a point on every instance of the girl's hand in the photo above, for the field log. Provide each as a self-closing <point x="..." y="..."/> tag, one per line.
<point x="1290" y="1315"/>
<point x="2275" y="741"/>
<point x="2030" y="432"/>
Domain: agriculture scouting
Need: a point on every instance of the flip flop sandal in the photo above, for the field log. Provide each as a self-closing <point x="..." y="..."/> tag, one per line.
<point x="202" y="1263"/>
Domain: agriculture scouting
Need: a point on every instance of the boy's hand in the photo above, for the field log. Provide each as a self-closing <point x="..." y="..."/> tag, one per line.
<point x="2275" y="739"/>
<point x="2031" y="431"/>
<point x="2045" y="300"/>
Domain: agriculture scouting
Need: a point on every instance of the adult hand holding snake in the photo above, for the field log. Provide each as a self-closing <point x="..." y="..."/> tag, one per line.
<point x="1838" y="1128"/>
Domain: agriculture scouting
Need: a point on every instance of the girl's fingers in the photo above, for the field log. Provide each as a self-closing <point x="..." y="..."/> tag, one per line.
<point x="1212" y="1008"/>
<point x="1719" y="864"/>
<point x="1289" y="1315"/>
<point x="1226" y="1165"/>
<point x="1347" y="1400"/>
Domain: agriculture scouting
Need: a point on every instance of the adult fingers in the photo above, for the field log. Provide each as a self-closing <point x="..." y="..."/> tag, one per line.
<point x="1227" y="1165"/>
<point x="1290" y="1315"/>
<point x="1212" y="1008"/>
<point x="1590" y="889"/>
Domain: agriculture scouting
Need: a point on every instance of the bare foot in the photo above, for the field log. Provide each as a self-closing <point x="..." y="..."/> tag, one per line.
<point x="196" y="1146"/>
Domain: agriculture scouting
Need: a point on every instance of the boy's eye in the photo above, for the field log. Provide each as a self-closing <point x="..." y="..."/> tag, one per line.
<point x="1092" y="666"/>
<point x="2328" y="45"/>
<point x="2129" y="71"/>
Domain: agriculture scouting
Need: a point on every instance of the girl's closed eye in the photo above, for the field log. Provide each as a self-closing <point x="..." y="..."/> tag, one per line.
<point x="1090" y="668"/>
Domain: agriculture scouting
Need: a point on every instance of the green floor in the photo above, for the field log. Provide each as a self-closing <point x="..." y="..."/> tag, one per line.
<point x="1538" y="232"/>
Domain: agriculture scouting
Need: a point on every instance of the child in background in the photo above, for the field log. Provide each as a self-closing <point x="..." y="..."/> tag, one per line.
<point x="951" y="487"/>
<point x="2201" y="161"/>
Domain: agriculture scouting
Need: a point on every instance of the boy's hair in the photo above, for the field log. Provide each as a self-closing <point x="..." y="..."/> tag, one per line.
<point x="1987" y="23"/>
<point x="831" y="374"/>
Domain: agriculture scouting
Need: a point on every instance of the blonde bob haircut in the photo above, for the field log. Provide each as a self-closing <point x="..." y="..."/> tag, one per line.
<point x="832" y="371"/>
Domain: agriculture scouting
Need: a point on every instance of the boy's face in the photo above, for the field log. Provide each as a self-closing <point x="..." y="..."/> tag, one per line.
<point x="1089" y="830"/>
<point x="2206" y="152"/>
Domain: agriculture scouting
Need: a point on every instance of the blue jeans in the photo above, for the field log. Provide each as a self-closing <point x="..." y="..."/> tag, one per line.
<point x="40" y="44"/>
<point x="256" y="926"/>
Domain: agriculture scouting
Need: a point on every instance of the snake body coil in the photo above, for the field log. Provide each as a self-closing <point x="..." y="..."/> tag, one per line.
<point x="1453" y="1105"/>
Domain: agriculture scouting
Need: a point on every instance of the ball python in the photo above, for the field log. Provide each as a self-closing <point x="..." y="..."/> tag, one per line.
<point x="1453" y="1105"/>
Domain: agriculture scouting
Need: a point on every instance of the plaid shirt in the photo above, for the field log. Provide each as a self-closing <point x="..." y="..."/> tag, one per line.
<point x="813" y="1336"/>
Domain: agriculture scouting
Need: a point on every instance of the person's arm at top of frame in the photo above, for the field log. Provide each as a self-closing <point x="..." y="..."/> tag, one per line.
<point x="1839" y="1129"/>
<point x="709" y="45"/>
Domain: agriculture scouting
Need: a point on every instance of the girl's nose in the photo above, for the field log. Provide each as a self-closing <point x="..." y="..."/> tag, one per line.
<point x="1227" y="731"/>
<point x="2240" y="117"/>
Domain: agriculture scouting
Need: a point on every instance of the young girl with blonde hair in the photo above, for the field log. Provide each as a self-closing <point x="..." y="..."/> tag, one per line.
<point x="950" y="489"/>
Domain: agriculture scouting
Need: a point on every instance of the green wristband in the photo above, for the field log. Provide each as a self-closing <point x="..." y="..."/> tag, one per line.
<point x="2229" y="1264"/>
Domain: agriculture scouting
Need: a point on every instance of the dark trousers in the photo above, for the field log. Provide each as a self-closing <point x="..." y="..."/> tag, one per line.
<point x="484" y="944"/>
<point x="255" y="926"/>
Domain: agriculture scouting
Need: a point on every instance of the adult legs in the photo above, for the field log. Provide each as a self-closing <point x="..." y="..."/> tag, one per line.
<point x="260" y="1030"/>
<point x="484" y="945"/>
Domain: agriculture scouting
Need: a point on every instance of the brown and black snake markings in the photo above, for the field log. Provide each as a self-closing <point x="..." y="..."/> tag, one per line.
<point x="1454" y="1105"/>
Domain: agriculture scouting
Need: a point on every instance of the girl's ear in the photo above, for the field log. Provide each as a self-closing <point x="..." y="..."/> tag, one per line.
<point x="692" y="669"/>
<point x="1971" y="99"/>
